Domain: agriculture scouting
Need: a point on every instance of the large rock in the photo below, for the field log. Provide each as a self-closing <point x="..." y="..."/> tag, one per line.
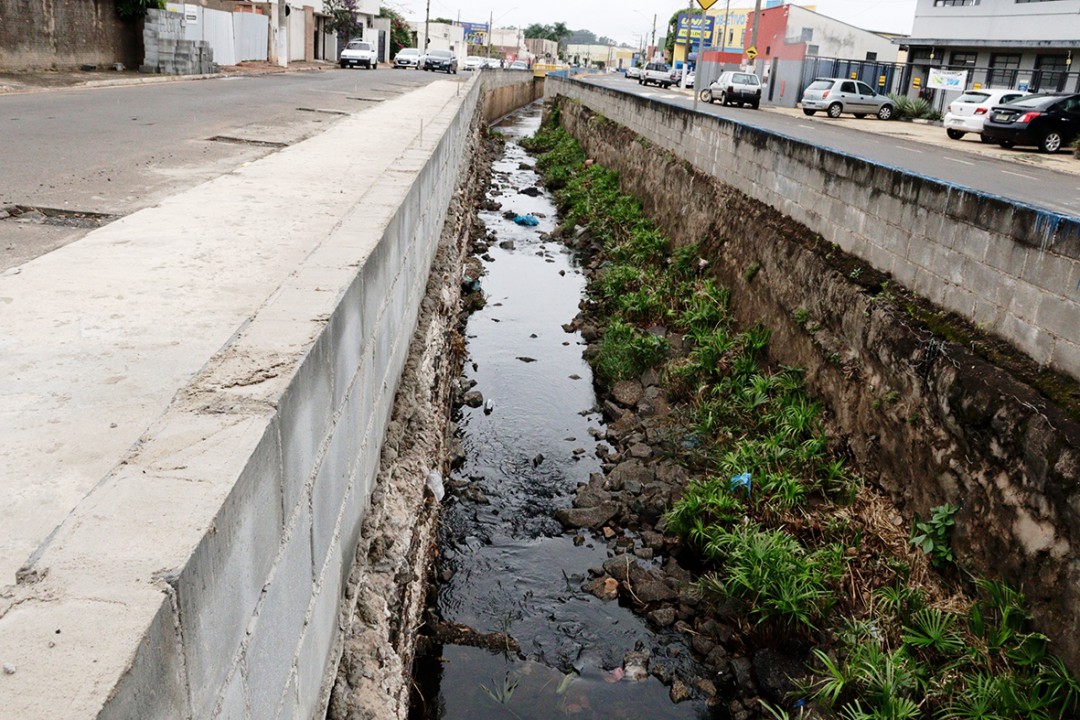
<point x="633" y="470"/>
<point x="627" y="393"/>
<point x="777" y="673"/>
<point x="589" y="517"/>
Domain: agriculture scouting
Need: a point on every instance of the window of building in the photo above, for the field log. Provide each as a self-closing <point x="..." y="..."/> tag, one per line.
<point x="1003" y="70"/>
<point x="811" y="49"/>
<point x="807" y="34"/>
<point x="1051" y="72"/>
<point x="952" y="3"/>
<point x="961" y="60"/>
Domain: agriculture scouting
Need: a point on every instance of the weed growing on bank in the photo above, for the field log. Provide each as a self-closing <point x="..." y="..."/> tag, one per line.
<point x="786" y="533"/>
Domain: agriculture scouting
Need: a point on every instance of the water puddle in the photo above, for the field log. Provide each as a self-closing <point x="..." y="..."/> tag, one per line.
<point x="505" y="564"/>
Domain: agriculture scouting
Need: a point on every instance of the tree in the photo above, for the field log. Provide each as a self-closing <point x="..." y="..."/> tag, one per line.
<point x="344" y="22"/>
<point x="536" y="31"/>
<point x="137" y="8"/>
<point x="400" y="35"/>
<point x="442" y="20"/>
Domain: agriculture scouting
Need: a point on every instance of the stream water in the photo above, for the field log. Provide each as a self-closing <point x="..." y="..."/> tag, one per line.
<point x="505" y="564"/>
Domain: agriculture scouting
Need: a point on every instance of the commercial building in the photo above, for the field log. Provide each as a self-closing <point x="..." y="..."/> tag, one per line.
<point x="1024" y="44"/>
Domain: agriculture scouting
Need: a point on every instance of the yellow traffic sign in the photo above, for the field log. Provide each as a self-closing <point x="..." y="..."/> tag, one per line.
<point x="706" y="4"/>
<point x="751" y="52"/>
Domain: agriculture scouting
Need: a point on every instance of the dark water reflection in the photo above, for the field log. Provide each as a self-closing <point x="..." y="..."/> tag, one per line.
<point x="506" y="564"/>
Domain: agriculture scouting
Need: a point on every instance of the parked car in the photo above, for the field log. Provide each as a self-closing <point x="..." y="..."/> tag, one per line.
<point x="472" y="62"/>
<point x="519" y="65"/>
<point x="358" y="52"/>
<point x="734" y="88"/>
<point x="407" y="58"/>
<point x="842" y="95"/>
<point x="440" y="60"/>
<point x="690" y="78"/>
<point x="1048" y="121"/>
<point x="657" y="73"/>
<point x="492" y="63"/>
<point x="967" y="113"/>
<point x="633" y="72"/>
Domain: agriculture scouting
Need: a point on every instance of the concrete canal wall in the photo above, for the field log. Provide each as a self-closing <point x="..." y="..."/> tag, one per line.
<point x="1000" y="264"/>
<point x="216" y="375"/>
<point x="930" y="421"/>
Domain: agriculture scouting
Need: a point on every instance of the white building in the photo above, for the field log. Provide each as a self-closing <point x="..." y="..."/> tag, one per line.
<point x="440" y="37"/>
<point x="1027" y="44"/>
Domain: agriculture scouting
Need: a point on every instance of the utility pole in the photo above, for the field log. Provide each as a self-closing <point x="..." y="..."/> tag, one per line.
<point x="427" y="21"/>
<point x="491" y="30"/>
<point x="653" y="46"/>
<point x="723" y="38"/>
<point x="754" y="33"/>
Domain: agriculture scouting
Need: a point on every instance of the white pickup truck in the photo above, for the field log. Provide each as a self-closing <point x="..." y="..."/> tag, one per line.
<point x="358" y="52"/>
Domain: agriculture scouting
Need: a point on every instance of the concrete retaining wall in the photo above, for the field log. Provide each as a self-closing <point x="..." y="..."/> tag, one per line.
<point x="1005" y="266"/>
<point x="39" y="34"/>
<point x="927" y="420"/>
<point x="203" y="577"/>
<point x="167" y="50"/>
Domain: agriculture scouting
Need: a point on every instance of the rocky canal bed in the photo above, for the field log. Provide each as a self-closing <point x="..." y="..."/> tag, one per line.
<point x="552" y="596"/>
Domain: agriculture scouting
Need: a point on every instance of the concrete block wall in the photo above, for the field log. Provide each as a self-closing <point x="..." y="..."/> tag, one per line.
<point x="167" y="52"/>
<point x="1007" y="267"/>
<point x="203" y="576"/>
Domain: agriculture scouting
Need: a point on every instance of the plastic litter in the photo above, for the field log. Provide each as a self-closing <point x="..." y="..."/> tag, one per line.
<point x="488" y="407"/>
<point x="471" y="286"/>
<point x="435" y="485"/>
<point x="526" y="220"/>
<point x="741" y="481"/>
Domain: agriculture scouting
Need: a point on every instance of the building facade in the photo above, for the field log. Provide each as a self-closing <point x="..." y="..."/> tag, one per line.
<point x="1021" y="44"/>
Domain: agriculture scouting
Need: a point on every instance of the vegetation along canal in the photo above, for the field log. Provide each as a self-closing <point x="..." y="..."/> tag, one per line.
<point x="686" y="536"/>
<point x="506" y="566"/>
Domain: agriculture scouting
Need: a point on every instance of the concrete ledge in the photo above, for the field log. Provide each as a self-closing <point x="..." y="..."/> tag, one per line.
<point x="222" y="369"/>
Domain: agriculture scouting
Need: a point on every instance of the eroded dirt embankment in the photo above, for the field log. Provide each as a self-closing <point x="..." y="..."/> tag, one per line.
<point x="929" y="420"/>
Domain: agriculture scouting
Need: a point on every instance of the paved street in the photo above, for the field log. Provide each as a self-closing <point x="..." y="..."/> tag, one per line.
<point x="118" y="149"/>
<point x="960" y="163"/>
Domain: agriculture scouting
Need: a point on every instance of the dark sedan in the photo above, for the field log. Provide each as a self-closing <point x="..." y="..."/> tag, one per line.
<point x="443" y="60"/>
<point x="1047" y="121"/>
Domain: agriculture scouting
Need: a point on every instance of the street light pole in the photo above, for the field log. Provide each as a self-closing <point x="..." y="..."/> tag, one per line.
<point x="427" y="21"/>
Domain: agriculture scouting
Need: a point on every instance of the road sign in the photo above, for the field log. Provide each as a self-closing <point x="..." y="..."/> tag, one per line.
<point x="706" y="4"/>
<point x="751" y="52"/>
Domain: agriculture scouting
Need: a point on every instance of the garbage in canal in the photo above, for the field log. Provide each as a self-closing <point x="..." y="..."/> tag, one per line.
<point x="526" y="220"/>
<point x="470" y="286"/>
<point x="741" y="481"/>
<point x="488" y="407"/>
<point x="435" y="485"/>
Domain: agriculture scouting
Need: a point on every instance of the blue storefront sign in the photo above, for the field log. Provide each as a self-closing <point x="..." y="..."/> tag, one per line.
<point x="692" y="26"/>
<point x="475" y="33"/>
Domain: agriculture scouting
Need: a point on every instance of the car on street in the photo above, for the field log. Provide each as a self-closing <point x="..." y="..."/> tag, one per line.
<point x="472" y="62"/>
<point x="358" y="53"/>
<point x="1049" y="121"/>
<point x="407" y="58"/>
<point x="440" y="61"/>
<point x="967" y="113"/>
<point x="690" y="78"/>
<point x="633" y="72"/>
<point x="734" y="88"/>
<point x="519" y="65"/>
<point x="837" y="96"/>
<point x="657" y="73"/>
<point x="492" y="63"/>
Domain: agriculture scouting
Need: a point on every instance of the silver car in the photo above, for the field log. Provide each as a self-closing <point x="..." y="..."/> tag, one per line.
<point x="837" y="96"/>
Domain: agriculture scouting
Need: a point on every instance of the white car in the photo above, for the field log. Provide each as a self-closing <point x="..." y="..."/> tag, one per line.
<point x="358" y="52"/>
<point x="519" y="65"/>
<point x="473" y="63"/>
<point x="967" y="113"/>
<point x="690" y="78"/>
<point x="633" y="72"/>
<point x="492" y="63"/>
<point x="407" y="58"/>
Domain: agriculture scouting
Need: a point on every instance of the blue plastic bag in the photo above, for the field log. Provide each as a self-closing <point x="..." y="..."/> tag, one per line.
<point x="527" y="220"/>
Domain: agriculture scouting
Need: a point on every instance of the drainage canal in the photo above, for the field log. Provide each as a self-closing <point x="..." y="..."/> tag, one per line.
<point x="511" y="633"/>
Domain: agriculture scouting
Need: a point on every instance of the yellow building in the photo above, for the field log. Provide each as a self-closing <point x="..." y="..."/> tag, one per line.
<point x="736" y="29"/>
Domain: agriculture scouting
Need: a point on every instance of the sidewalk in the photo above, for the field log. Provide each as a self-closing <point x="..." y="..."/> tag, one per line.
<point x="46" y="80"/>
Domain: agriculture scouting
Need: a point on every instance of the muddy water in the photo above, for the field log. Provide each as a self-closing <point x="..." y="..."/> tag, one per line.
<point x="505" y="565"/>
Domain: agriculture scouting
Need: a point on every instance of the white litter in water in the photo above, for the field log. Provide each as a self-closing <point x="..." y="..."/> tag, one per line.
<point x="488" y="407"/>
<point x="9" y="669"/>
<point x="435" y="485"/>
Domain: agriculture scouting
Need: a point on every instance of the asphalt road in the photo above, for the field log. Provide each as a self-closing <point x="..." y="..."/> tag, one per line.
<point x="118" y="149"/>
<point x="1035" y="186"/>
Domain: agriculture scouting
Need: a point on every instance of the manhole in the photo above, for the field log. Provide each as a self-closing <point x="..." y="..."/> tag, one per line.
<point x="245" y="141"/>
<point x="55" y="216"/>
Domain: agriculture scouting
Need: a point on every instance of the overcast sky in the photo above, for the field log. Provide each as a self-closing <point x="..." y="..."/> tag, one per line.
<point x="625" y="20"/>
